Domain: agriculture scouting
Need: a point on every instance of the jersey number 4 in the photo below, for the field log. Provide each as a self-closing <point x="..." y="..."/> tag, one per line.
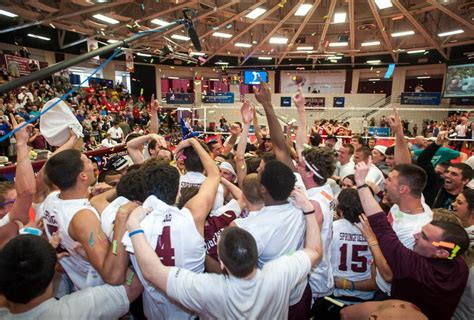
<point x="164" y="250"/>
<point x="358" y="262"/>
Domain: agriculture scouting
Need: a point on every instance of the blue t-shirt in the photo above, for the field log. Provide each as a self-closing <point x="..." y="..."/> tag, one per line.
<point x="442" y="155"/>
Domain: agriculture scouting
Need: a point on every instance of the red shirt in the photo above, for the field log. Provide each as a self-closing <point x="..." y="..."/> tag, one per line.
<point x="213" y="228"/>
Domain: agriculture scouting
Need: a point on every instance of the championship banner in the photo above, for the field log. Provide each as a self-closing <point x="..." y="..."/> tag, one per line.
<point x="92" y="45"/>
<point x="129" y="61"/>
<point x="20" y="66"/>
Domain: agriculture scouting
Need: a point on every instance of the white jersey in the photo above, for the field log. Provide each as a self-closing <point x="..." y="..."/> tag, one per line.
<point x="265" y="296"/>
<point x="321" y="279"/>
<point x="57" y="215"/>
<point x="173" y="235"/>
<point x="107" y="218"/>
<point x="277" y="230"/>
<point x="343" y="170"/>
<point x="405" y="226"/>
<point x="195" y="179"/>
<point x="351" y="258"/>
<point x="102" y="302"/>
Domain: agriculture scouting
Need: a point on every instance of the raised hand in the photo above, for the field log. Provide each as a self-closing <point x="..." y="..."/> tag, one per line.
<point x="136" y="216"/>
<point x="183" y="145"/>
<point x="154" y="104"/>
<point x="300" y="200"/>
<point x="247" y="111"/>
<point x="23" y="134"/>
<point x="394" y="120"/>
<point x="361" y="171"/>
<point x="364" y="227"/>
<point x="263" y="94"/>
<point x="298" y="99"/>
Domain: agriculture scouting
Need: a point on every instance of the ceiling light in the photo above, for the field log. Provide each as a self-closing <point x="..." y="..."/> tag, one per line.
<point x="243" y="45"/>
<point x="383" y="4"/>
<point x="416" y="51"/>
<point x="423" y="77"/>
<point x="303" y="9"/>
<point x="333" y="61"/>
<point x="38" y="37"/>
<point x="403" y="33"/>
<point x="221" y="63"/>
<point x="338" y="44"/>
<point x="376" y="79"/>
<point x="304" y="48"/>
<point x="173" y="78"/>
<point x="112" y="41"/>
<point x="214" y="79"/>
<point x="222" y="35"/>
<point x="143" y="54"/>
<point x="199" y="54"/>
<point x="265" y="58"/>
<point x="334" y="58"/>
<point x="160" y="22"/>
<point x="105" y="18"/>
<point x="255" y="13"/>
<point x="278" y="40"/>
<point x="340" y="17"/>
<point x="180" y="37"/>
<point x="8" y="14"/>
<point x="370" y="43"/>
<point x="450" y="33"/>
<point x="374" y="61"/>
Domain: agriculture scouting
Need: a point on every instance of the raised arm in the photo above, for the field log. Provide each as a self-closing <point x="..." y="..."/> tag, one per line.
<point x="368" y="201"/>
<point x="24" y="176"/>
<point x="298" y="99"/>
<point x="201" y="204"/>
<point x="263" y="96"/>
<point x="247" y="112"/>
<point x="256" y="127"/>
<point x="109" y="259"/>
<point x="227" y="148"/>
<point x="134" y="146"/>
<point x="402" y="153"/>
<point x="312" y="242"/>
<point x="154" y="121"/>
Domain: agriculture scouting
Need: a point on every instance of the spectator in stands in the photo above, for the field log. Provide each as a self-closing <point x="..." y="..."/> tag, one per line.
<point x="357" y="142"/>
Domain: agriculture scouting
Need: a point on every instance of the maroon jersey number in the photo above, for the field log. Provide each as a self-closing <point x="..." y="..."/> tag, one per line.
<point x="358" y="262"/>
<point x="164" y="250"/>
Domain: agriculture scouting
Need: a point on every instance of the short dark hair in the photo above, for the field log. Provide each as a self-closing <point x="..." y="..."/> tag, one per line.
<point x="366" y="152"/>
<point x="454" y="233"/>
<point x="413" y="176"/>
<point x="358" y="138"/>
<point x="390" y="151"/>
<point x="104" y="174"/>
<point x="130" y="186"/>
<point x="63" y="168"/>
<point x="466" y="170"/>
<point x="348" y="203"/>
<point x="278" y="179"/>
<point x="132" y="136"/>
<point x="185" y="194"/>
<point x="211" y="143"/>
<point x="162" y="181"/>
<point x="323" y="159"/>
<point x="252" y="164"/>
<point x="192" y="161"/>
<point x="444" y="164"/>
<point x="152" y="143"/>
<point x="469" y="195"/>
<point x="315" y="139"/>
<point x="26" y="268"/>
<point x="350" y="147"/>
<point x="268" y="156"/>
<point x="238" y="251"/>
<point x="239" y="124"/>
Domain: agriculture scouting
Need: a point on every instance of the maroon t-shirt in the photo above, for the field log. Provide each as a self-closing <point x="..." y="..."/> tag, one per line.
<point x="213" y="228"/>
<point x="433" y="285"/>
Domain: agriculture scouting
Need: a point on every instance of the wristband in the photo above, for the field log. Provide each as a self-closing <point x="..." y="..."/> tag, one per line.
<point x="33" y="231"/>
<point x="131" y="234"/>
<point x="365" y="185"/>
<point x="373" y="243"/>
<point x="309" y="212"/>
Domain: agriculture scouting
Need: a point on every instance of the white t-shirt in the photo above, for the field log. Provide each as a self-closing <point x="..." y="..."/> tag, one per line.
<point x="345" y="169"/>
<point x="102" y="302"/>
<point x="195" y="179"/>
<point x="376" y="176"/>
<point x="461" y="130"/>
<point x="107" y="218"/>
<point x="173" y="235"/>
<point x="265" y="296"/>
<point x="321" y="278"/>
<point x="351" y="258"/>
<point x="115" y="133"/>
<point x="405" y="226"/>
<point x="57" y="215"/>
<point x="108" y="143"/>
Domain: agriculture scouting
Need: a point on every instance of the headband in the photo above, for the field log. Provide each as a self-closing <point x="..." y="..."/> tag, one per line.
<point x="313" y="168"/>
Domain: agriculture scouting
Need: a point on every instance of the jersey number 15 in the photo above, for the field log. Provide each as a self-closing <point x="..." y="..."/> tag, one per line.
<point x="358" y="262"/>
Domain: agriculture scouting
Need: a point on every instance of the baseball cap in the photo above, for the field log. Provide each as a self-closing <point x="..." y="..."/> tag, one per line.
<point x="381" y="149"/>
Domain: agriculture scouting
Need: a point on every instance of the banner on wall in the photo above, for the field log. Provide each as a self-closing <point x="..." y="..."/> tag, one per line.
<point x="180" y="98"/>
<point x="18" y="66"/>
<point x="315" y="102"/>
<point x="92" y="45"/>
<point x="129" y="61"/>
<point x="315" y="81"/>
<point x="379" y="131"/>
<point x="338" y="102"/>
<point x="421" y="98"/>
<point x="219" y="97"/>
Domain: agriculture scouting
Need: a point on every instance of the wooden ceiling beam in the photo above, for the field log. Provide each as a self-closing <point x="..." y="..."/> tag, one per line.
<point x="386" y="39"/>
<point x="327" y="23"/>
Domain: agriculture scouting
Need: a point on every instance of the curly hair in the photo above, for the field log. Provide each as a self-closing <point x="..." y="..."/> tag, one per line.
<point x="321" y="158"/>
<point x="348" y="203"/>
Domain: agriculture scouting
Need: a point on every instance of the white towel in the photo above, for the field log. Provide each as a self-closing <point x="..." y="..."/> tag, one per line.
<point x="55" y="124"/>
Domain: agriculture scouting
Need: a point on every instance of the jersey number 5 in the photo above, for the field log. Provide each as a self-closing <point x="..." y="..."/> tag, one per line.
<point x="164" y="250"/>
<point x="359" y="263"/>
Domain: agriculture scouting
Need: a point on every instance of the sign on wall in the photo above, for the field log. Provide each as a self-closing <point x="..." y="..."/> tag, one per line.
<point x="19" y="66"/>
<point x="220" y="97"/>
<point x="421" y="98"/>
<point x="315" y="81"/>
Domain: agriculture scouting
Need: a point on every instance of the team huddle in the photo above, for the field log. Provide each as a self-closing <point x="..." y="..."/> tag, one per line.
<point x="217" y="231"/>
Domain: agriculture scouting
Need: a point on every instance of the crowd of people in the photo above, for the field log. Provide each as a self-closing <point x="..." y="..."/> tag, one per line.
<point x="272" y="228"/>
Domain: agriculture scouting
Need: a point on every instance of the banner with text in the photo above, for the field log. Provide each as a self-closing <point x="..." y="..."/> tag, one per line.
<point x="314" y="81"/>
